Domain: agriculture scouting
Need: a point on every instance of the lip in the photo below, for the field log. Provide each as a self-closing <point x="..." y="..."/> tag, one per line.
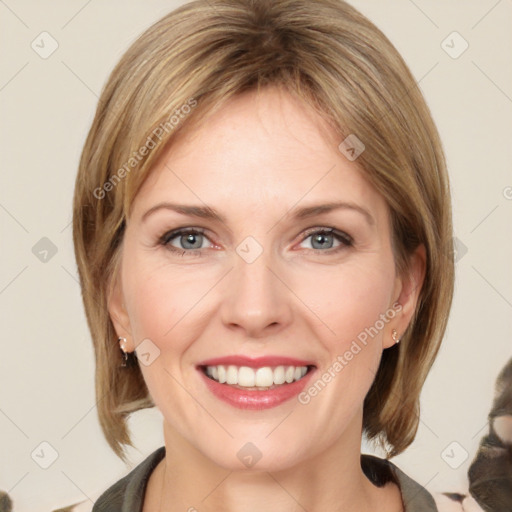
<point x="254" y="399"/>
<point x="256" y="362"/>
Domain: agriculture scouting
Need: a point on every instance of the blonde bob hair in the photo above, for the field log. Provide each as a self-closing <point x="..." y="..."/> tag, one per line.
<point x="186" y="67"/>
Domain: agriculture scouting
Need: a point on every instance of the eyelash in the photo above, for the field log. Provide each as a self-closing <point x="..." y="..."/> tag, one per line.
<point x="345" y="239"/>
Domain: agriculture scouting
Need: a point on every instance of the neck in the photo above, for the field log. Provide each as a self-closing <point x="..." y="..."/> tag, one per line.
<point x="186" y="480"/>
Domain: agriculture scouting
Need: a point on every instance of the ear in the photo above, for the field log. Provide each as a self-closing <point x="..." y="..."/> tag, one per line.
<point x="406" y="293"/>
<point x="117" y="309"/>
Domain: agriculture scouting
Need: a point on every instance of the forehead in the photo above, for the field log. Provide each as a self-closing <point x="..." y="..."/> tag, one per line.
<point x="262" y="150"/>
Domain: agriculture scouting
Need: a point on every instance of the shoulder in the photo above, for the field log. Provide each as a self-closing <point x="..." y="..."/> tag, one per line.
<point x="127" y="494"/>
<point x="414" y="496"/>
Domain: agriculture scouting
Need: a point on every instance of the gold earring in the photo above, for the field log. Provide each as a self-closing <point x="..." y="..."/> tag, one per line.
<point x="122" y="341"/>
<point x="395" y="337"/>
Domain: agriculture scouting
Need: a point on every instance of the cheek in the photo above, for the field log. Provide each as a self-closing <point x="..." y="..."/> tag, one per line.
<point x="349" y="299"/>
<point x="156" y="302"/>
<point x="162" y="306"/>
<point x="350" y="304"/>
<point x="165" y="302"/>
<point x="153" y="307"/>
<point x="345" y="299"/>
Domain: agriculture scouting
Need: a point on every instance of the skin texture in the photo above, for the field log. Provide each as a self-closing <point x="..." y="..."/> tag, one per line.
<point x="256" y="161"/>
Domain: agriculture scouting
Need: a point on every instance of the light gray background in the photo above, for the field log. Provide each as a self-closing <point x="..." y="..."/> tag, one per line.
<point x="46" y="108"/>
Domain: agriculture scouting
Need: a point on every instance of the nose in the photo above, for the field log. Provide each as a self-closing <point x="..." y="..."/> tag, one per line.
<point x="255" y="298"/>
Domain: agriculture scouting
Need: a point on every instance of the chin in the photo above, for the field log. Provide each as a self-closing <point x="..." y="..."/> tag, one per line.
<point x="244" y="455"/>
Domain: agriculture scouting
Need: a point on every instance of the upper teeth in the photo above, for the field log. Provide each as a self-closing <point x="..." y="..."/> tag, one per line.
<point x="259" y="377"/>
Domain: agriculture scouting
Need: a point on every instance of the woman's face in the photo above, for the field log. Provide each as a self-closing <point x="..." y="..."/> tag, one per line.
<point x="260" y="274"/>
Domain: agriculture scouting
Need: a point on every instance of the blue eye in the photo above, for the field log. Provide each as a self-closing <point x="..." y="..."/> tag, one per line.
<point x="191" y="240"/>
<point x="321" y="237"/>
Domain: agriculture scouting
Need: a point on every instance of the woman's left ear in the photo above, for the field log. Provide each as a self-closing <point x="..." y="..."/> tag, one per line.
<point x="406" y="293"/>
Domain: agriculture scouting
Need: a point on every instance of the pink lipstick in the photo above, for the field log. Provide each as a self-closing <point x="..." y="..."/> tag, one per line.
<point x="255" y="383"/>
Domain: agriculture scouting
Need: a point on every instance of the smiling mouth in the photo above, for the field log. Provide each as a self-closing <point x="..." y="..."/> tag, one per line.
<point x="256" y="379"/>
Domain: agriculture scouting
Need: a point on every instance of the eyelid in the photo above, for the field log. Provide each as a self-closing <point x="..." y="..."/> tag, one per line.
<point x="329" y="230"/>
<point x="344" y="238"/>
<point x="173" y="233"/>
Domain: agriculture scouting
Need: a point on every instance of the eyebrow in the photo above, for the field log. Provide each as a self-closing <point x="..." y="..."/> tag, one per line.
<point x="205" y="212"/>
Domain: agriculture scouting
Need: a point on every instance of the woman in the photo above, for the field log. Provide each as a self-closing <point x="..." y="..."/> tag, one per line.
<point x="288" y="143"/>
